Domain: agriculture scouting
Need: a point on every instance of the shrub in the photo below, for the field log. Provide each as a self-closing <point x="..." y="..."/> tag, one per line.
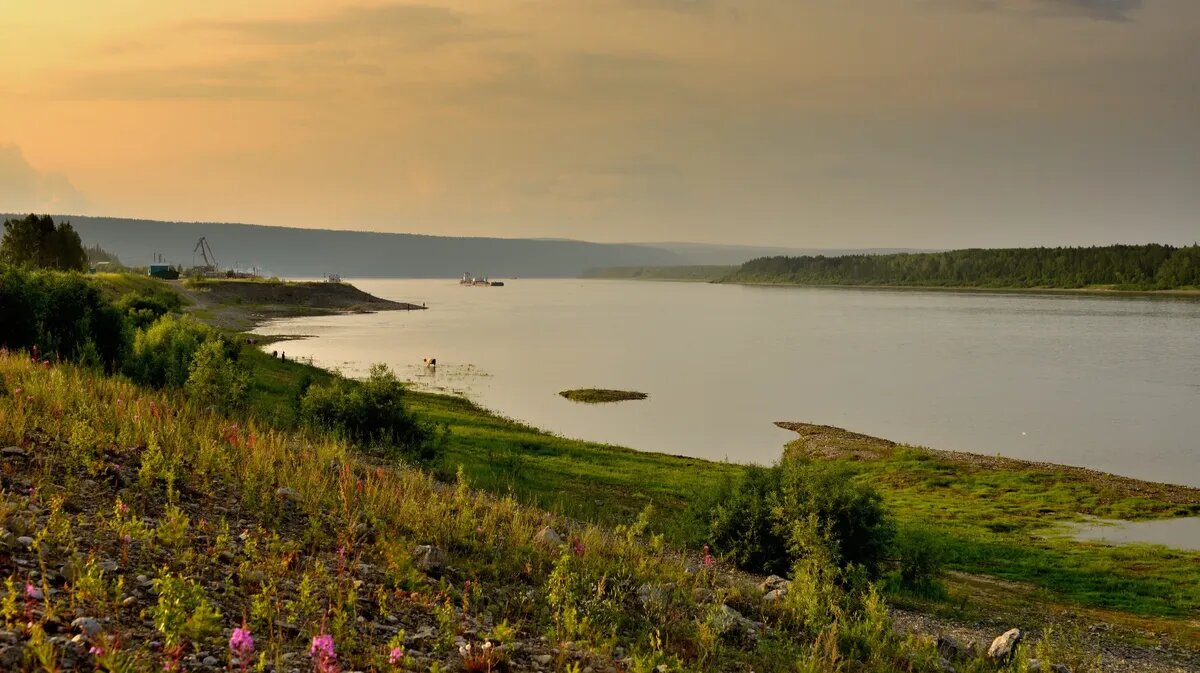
<point x="214" y="378"/>
<point x="62" y="315"/>
<point x="850" y="514"/>
<point x="776" y="516"/>
<point x="742" y="524"/>
<point x="921" y="558"/>
<point x="163" y="352"/>
<point x="144" y="309"/>
<point x="370" y="413"/>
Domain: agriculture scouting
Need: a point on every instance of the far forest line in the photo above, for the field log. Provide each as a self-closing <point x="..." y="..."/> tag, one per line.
<point x="1117" y="267"/>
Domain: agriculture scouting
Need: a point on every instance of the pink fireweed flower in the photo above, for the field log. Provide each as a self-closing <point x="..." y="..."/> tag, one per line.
<point x="577" y="546"/>
<point x="322" y="648"/>
<point x="241" y="643"/>
<point x="96" y="651"/>
<point x="396" y="656"/>
<point x="708" y="558"/>
<point x="32" y="592"/>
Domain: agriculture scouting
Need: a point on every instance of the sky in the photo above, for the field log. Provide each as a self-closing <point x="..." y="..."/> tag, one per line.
<point x="808" y="123"/>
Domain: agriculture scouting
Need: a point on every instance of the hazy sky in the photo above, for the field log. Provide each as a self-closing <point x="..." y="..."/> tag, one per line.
<point x="925" y="123"/>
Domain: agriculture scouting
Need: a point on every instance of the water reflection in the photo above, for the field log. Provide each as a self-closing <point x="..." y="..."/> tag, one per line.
<point x="1181" y="533"/>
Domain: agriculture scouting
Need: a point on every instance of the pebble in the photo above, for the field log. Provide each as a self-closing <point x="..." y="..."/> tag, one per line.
<point x="87" y="626"/>
<point x="25" y="541"/>
<point x="210" y="661"/>
<point x="543" y="659"/>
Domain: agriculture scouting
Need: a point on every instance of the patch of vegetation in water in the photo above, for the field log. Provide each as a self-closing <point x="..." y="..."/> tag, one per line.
<point x="601" y="395"/>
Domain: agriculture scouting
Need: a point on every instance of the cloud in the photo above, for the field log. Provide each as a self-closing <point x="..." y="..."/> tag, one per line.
<point x="1099" y="10"/>
<point x="1104" y="10"/>
<point x="413" y="25"/>
<point x="23" y="189"/>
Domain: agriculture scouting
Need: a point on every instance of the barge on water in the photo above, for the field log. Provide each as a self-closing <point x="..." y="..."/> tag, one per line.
<point x="472" y="281"/>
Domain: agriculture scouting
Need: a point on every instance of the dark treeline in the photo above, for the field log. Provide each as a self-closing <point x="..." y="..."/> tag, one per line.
<point x="1126" y="267"/>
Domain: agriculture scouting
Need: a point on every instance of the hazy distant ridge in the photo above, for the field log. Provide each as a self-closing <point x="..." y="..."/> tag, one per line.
<point x="315" y="252"/>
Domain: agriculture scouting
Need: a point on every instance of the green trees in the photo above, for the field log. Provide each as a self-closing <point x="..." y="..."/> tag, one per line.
<point x="62" y="316"/>
<point x="370" y="413"/>
<point x="1126" y="266"/>
<point x="36" y="241"/>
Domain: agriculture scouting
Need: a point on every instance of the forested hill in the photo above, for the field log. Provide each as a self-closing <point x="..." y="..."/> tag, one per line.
<point x="315" y="252"/>
<point x="1124" y="267"/>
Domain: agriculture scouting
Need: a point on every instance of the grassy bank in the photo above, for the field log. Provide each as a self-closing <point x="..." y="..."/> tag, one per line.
<point x="993" y="521"/>
<point x="142" y="532"/>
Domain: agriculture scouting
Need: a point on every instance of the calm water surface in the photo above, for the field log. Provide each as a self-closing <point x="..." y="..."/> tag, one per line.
<point x="1108" y="383"/>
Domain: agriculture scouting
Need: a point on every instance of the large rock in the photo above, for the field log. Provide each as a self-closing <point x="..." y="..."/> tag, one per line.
<point x="775" y="583"/>
<point x="655" y="594"/>
<point x="951" y="649"/>
<point x="1005" y="645"/>
<point x="548" y="537"/>
<point x="429" y="559"/>
<point x="729" y="623"/>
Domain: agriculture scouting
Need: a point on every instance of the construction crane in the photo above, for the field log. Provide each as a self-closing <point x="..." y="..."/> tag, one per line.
<point x="206" y="251"/>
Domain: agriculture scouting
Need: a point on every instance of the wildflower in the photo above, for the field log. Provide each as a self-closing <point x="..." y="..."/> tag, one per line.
<point x="322" y="649"/>
<point x="17" y="392"/>
<point x="577" y="546"/>
<point x="708" y="558"/>
<point x="96" y="651"/>
<point x="122" y="507"/>
<point x="32" y="592"/>
<point x="396" y="656"/>
<point x="241" y="644"/>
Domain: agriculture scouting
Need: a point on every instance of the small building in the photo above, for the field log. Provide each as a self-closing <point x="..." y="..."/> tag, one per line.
<point x="163" y="271"/>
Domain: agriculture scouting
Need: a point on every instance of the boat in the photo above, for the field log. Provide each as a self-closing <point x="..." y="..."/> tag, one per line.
<point x="473" y="281"/>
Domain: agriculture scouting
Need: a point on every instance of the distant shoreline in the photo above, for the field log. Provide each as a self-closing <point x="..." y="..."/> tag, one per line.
<point x="1074" y="291"/>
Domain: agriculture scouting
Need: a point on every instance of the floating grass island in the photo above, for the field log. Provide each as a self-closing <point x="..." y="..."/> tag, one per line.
<point x="601" y="395"/>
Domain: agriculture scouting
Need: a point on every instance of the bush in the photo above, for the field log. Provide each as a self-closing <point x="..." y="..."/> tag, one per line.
<point x="143" y="309"/>
<point x="63" y="316"/>
<point x="743" y="526"/>
<point x="370" y="413"/>
<point x="777" y="516"/>
<point x="163" y="352"/>
<point x="214" y="378"/>
<point x="921" y="558"/>
<point x="850" y="514"/>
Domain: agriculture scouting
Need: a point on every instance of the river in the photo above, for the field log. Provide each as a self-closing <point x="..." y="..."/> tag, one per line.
<point x="1111" y="383"/>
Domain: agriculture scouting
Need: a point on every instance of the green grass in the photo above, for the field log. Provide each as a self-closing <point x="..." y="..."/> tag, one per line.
<point x="601" y="395"/>
<point x="996" y="523"/>
<point x="113" y="286"/>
